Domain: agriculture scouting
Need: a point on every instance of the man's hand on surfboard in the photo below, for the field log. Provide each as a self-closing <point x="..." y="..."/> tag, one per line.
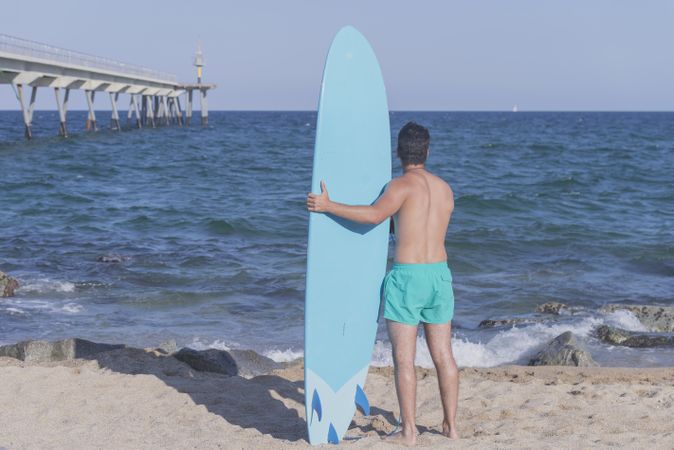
<point x="319" y="202"/>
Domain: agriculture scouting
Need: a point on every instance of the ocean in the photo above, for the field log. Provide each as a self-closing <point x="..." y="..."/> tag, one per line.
<point x="199" y="234"/>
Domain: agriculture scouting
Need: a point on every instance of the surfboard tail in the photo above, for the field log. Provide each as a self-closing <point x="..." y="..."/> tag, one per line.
<point x="332" y="410"/>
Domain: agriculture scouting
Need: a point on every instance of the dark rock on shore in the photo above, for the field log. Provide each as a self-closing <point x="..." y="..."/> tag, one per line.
<point x="45" y="351"/>
<point x="112" y="258"/>
<point x="492" y="323"/>
<point x="167" y="347"/>
<point x="211" y="360"/>
<point x="618" y="336"/>
<point x="654" y="317"/>
<point x="564" y="350"/>
<point x="245" y="363"/>
<point x="552" y="308"/>
<point x="7" y="285"/>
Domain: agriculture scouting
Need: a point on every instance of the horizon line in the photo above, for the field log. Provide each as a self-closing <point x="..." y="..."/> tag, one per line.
<point x="196" y="111"/>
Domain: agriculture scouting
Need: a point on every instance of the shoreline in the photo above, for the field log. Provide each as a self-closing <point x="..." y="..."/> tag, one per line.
<point x="146" y="398"/>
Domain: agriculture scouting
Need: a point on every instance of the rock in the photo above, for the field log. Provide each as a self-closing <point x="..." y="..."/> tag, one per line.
<point x="245" y="363"/>
<point x="653" y="317"/>
<point x="564" y="350"/>
<point x="297" y="363"/>
<point x="492" y="323"/>
<point x="112" y="258"/>
<point x="552" y="308"/>
<point x="618" y="336"/>
<point x="168" y="347"/>
<point x="7" y="285"/>
<point x="45" y="351"/>
<point x="138" y="361"/>
<point x="252" y="364"/>
<point x="211" y="360"/>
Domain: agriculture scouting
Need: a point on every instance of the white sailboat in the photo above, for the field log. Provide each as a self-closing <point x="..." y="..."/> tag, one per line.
<point x="515" y="109"/>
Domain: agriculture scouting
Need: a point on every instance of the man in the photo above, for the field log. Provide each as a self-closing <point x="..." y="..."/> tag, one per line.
<point x="419" y="286"/>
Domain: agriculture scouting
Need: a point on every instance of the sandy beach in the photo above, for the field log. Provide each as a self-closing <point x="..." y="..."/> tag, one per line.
<point x="133" y="398"/>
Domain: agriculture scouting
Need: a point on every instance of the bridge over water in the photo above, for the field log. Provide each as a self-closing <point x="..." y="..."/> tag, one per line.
<point x="154" y="96"/>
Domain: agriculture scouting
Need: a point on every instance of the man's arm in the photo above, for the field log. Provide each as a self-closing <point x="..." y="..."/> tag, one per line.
<point x="387" y="205"/>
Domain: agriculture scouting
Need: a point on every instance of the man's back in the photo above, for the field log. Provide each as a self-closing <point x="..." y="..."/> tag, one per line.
<point x="422" y="220"/>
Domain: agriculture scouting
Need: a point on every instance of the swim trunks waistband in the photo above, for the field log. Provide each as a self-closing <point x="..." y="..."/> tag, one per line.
<point x="419" y="266"/>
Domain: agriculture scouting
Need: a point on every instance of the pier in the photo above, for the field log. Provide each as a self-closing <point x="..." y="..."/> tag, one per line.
<point x="154" y="96"/>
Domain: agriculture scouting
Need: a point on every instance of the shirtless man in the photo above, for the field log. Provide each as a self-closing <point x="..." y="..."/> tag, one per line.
<point x="419" y="286"/>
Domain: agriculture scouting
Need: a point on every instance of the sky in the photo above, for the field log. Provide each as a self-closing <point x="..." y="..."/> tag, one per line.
<point x="435" y="55"/>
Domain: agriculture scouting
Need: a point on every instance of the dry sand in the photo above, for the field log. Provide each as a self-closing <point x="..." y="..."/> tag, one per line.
<point x="136" y="399"/>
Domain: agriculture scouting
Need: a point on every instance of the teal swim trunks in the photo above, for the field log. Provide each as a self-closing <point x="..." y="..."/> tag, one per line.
<point x="416" y="293"/>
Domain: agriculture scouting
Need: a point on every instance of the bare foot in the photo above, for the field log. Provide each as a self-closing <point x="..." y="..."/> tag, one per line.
<point x="449" y="431"/>
<point x="406" y="438"/>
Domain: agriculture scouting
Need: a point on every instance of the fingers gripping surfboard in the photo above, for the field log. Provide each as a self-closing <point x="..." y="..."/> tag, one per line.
<point x="346" y="261"/>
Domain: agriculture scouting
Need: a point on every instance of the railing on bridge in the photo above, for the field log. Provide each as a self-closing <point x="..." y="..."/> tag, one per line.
<point x="24" y="47"/>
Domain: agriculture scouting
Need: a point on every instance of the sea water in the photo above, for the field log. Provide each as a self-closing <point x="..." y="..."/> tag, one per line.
<point x="199" y="234"/>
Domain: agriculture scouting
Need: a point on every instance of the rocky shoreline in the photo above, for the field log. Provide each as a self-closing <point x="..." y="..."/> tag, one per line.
<point x="243" y="363"/>
<point x="7" y="285"/>
<point x="657" y="323"/>
<point x="565" y="350"/>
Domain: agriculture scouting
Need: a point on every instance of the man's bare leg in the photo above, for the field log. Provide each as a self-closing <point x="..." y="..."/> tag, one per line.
<point x="438" y="337"/>
<point x="404" y="342"/>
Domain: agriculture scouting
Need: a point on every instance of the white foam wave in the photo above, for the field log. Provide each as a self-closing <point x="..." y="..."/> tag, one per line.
<point x="508" y="346"/>
<point x="25" y="307"/>
<point x="45" y="285"/>
<point x="72" y="308"/>
<point x="198" y="344"/>
<point x="626" y="320"/>
<point x="283" y="355"/>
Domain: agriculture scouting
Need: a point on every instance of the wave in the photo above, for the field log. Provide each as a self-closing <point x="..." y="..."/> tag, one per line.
<point x="19" y="307"/>
<point x="512" y="346"/>
<point x="283" y="355"/>
<point x="72" y="308"/>
<point x="222" y="227"/>
<point x="15" y="311"/>
<point x="198" y="344"/>
<point x="46" y="285"/>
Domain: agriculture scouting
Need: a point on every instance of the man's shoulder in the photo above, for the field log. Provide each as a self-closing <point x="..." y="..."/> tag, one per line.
<point x="441" y="181"/>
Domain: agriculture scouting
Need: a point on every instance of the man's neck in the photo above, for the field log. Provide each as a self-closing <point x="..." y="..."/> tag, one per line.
<point x="413" y="167"/>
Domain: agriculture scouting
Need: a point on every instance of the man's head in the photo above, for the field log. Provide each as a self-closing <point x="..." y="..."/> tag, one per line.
<point x="413" y="140"/>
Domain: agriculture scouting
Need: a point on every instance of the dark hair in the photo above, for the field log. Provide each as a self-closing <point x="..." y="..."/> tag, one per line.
<point x="413" y="141"/>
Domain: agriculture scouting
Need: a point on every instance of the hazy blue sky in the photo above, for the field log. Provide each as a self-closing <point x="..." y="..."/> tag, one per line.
<point x="435" y="55"/>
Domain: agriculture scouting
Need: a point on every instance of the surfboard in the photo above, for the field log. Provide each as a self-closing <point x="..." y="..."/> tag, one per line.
<point x="346" y="261"/>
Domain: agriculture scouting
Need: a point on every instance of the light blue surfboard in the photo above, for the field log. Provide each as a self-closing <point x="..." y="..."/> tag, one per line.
<point x="346" y="262"/>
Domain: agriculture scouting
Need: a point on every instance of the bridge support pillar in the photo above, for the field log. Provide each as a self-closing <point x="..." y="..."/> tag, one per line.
<point x="115" y="114"/>
<point x="165" y="109"/>
<point x="91" y="118"/>
<point x="188" y="110"/>
<point x="149" y="111"/>
<point x="179" y="112"/>
<point x="204" y="107"/>
<point x="62" y="109"/>
<point x="133" y="108"/>
<point x="175" y="108"/>
<point x="24" y="111"/>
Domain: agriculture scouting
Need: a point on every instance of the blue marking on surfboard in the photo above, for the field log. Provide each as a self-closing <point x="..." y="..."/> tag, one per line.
<point x="361" y="400"/>
<point x="316" y="406"/>
<point x="346" y="261"/>
<point x="332" y="435"/>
